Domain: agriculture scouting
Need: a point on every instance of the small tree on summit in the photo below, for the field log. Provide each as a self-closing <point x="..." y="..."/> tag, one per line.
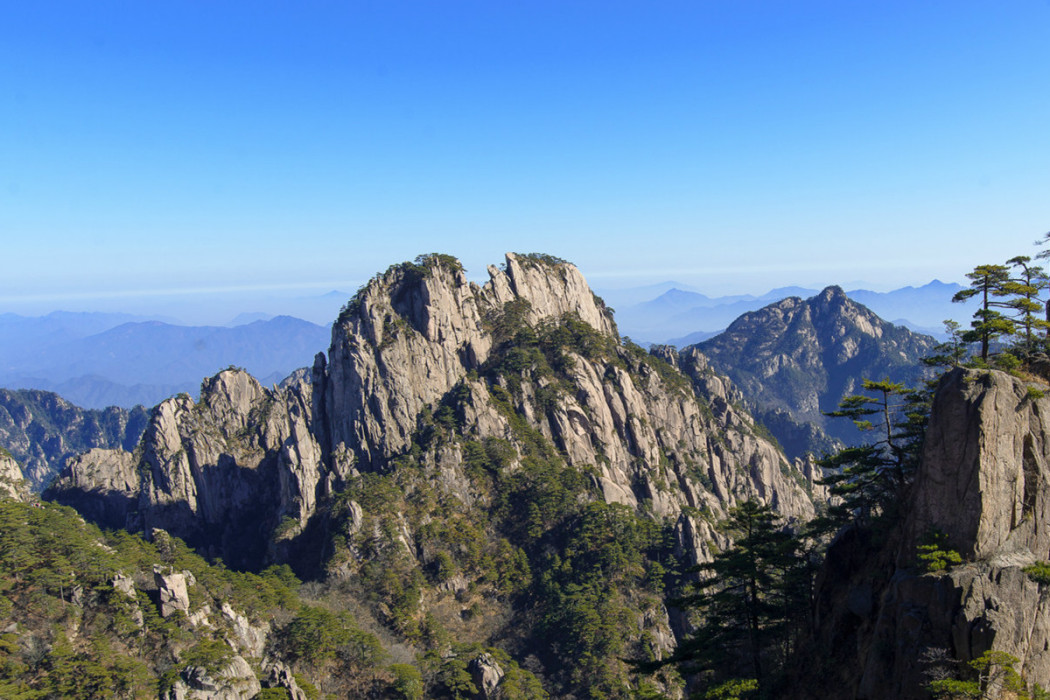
<point x="1025" y="290"/>
<point x="990" y="282"/>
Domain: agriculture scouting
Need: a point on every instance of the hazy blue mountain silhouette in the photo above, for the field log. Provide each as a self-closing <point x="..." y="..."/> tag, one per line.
<point x="681" y="316"/>
<point x="146" y="361"/>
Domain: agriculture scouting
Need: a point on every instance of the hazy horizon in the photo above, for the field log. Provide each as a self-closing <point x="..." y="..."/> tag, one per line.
<point x="157" y="149"/>
<point x="320" y="303"/>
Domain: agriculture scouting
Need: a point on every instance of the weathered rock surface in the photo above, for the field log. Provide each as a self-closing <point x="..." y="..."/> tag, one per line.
<point x="796" y="359"/>
<point x="282" y="677"/>
<point x="415" y="337"/>
<point x="248" y="638"/>
<point x="986" y="470"/>
<point x="427" y="371"/>
<point x="221" y="473"/>
<point x="108" y="482"/>
<point x="172" y="592"/>
<point x="236" y="681"/>
<point x="12" y="481"/>
<point x="246" y="464"/>
<point x="486" y="675"/>
<point x="984" y="483"/>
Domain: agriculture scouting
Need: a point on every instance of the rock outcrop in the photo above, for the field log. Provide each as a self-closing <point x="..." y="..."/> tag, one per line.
<point x="417" y="333"/>
<point x="12" y="481"/>
<point x="172" y="592"/>
<point x="245" y="465"/>
<point x="221" y="473"/>
<point x="983" y="490"/>
<point x="486" y="675"/>
<point x="453" y="439"/>
<point x="236" y="681"/>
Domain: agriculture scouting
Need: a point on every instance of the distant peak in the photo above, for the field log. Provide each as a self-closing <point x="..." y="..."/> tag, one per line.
<point x="832" y="292"/>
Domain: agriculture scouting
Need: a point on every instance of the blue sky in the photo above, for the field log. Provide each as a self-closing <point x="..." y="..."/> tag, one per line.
<point x="278" y="147"/>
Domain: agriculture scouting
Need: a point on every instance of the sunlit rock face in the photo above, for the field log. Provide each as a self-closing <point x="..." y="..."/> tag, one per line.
<point x="246" y="468"/>
<point x="12" y="481"/>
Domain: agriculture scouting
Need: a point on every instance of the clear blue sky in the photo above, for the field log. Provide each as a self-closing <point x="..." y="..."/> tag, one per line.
<point x="736" y="145"/>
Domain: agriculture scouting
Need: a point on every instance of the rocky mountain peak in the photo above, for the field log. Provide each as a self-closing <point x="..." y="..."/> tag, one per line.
<point x="552" y="287"/>
<point x="801" y="357"/>
<point x="532" y="347"/>
<point x="414" y="332"/>
<point x="456" y="430"/>
<point x="832" y="293"/>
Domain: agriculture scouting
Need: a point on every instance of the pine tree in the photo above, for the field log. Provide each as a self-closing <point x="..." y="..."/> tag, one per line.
<point x="868" y="480"/>
<point x="1025" y="290"/>
<point x="988" y="281"/>
<point x="746" y="600"/>
<point x="951" y="352"/>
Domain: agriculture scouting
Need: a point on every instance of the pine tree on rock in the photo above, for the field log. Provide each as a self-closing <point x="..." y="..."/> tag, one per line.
<point x="869" y="480"/>
<point x="1025" y="290"/>
<point x="989" y="282"/>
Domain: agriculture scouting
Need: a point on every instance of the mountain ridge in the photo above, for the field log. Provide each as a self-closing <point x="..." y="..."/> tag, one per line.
<point x="451" y="424"/>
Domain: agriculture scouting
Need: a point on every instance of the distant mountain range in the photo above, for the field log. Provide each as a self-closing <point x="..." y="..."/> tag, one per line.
<point x="98" y="360"/>
<point x="102" y="359"/>
<point x="676" y="314"/>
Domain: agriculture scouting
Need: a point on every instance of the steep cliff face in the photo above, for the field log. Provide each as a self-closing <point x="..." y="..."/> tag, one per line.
<point x="417" y="334"/>
<point x="796" y="359"/>
<point x="243" y="458"/>
<point x="12" y="481"/>
<point x="984" y="485"/>
<point x="419" y="329"/>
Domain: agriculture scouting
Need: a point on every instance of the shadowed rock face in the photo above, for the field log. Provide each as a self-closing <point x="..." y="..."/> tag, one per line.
<point x="221" y="473"/>
<point x="244" y="461"/>
<point x="985" y="484"/>
<point x="802" y="356"/>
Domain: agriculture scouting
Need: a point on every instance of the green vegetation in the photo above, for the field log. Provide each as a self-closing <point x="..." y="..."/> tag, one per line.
<point x="542" y="259"/>
<point x="78" y="636"/>
<point x="869" y="480"/>
<point x="751" y="602"/>
<point x="991" y="675"/>
<point x="1011" y="309"/>
<point x="534" y="537"/>
<point x="990" y="283"/>
<point x="413" y="272"/>
<point x="1039" y="572"/>
<point x="934" y="555"/>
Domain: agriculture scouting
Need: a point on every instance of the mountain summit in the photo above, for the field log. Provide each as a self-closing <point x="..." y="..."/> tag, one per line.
<point x="797" y="358"/>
